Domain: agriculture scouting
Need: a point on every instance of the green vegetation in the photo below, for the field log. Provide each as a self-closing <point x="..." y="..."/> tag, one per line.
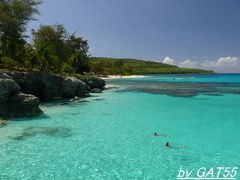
<point x="54" y="49"/>
<point x="101" y="65"/>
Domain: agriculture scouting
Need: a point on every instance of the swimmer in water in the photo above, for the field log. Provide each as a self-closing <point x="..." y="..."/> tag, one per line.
<point x="178" y="147"/>
<point x="158" y="134"/>
<point x="167" y="145"/>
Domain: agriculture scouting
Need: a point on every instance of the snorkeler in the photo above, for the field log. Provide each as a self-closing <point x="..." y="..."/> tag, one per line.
<point x="167" y="145"/>
<point x="177" y="147"/>
<point x="158" y="134"/>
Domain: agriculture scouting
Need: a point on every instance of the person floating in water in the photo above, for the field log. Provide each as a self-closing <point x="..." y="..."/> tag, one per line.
<point x="168" y="145"/>
<point x="177" y="147"/>
<point x="158" y="134"/>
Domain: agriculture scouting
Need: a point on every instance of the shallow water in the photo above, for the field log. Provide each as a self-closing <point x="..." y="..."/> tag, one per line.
<point x="110" y="135"/>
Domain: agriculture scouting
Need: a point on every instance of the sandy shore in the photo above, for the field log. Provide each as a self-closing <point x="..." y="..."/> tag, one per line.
<point x="125" y="77"/>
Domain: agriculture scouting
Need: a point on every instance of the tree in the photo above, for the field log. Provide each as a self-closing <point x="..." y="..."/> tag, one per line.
<point x="47" y="58"/>
<point x="52" y="49"/>
<point x="31" y="59"/>
<point x="56" y="49"/>
<point x="97" y="66"/>
<point x="79" y="62"/>
<point x="66" y="68"/>
<point x="14" y="16"/>
<point x="54" y="35"/>
<point x="7" y="62"/>
<point x="78" y="49"/>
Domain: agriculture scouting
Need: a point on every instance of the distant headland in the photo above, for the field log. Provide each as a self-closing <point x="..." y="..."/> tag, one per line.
<point x="127" y="66"/>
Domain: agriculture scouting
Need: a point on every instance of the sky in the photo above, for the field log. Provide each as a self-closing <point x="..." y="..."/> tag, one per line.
<point x="188" y="33"/>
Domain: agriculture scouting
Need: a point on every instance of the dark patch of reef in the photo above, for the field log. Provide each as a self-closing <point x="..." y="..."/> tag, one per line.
<point x="183" y="89"/>
<point x="61" y="132"/>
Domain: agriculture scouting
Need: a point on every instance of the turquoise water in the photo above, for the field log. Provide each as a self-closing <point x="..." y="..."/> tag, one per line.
<point x="110" y="135"/>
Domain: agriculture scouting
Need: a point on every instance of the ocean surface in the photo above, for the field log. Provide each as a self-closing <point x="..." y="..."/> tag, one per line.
<point x="110" y="135"/>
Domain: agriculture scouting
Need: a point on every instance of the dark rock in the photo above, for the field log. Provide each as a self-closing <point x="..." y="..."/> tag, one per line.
<point x="16" y="76"/>
<point x="43" y="85"/>
<point x="8" y="88"/>
<point x="3" y="122"/>
<point x="96" y="90"/>
<point x="20" y="92"/>
<point x="21" y="105"/>
<point x="16" y="104"/>
<point x="72" y="87"/>
<point x="93" y="81"/>
<point x="48" y="86"/>
<point x="76" y="98"/>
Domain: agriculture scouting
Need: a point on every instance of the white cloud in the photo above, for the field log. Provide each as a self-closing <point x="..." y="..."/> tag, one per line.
<point x="168" y="60"/>
<point x="188" y="64"/>
<point x="208" y="64"/>
<point x="223" y="64"/>
<point x="228" y="61"/>
<point x="226" y="64"/>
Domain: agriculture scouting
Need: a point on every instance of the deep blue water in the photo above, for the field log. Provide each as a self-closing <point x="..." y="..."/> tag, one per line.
<point x="110" y="135"/>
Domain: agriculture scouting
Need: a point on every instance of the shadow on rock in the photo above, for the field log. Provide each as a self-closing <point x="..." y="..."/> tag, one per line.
<point x="61" y="132"/>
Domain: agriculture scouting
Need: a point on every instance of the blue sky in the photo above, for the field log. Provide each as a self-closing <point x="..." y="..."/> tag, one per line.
<point x="188" y="33"/>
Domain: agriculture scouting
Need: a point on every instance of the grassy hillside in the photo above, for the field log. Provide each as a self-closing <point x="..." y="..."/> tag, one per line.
<point x="102" y="65"/>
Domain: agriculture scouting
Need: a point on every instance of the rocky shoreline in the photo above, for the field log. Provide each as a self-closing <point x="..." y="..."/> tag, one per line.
<point x="3" y="122"/>
<point x="21" y="92"/>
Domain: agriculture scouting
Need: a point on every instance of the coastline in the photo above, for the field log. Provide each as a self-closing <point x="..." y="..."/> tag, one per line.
<point x="122" y="77"/>
<point x="104" y="122"/>
<point x="22" y="92"/>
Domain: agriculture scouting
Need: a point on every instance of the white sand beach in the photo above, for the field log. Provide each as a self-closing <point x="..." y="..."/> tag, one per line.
<point x="125" y="77"/>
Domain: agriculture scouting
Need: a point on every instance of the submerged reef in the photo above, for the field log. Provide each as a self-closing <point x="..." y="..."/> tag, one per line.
<point x="48" y="131"/>
<point x="183" y="89"/>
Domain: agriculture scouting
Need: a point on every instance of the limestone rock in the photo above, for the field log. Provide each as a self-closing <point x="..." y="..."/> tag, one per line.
<point x="22" y="105"/>
<point x="96" y="90"/>
<point x="72" y="87"/>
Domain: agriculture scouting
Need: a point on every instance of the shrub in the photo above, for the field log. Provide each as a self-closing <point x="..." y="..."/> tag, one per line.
<point x="9" y="63"/>
<point x="66" y="68"/>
